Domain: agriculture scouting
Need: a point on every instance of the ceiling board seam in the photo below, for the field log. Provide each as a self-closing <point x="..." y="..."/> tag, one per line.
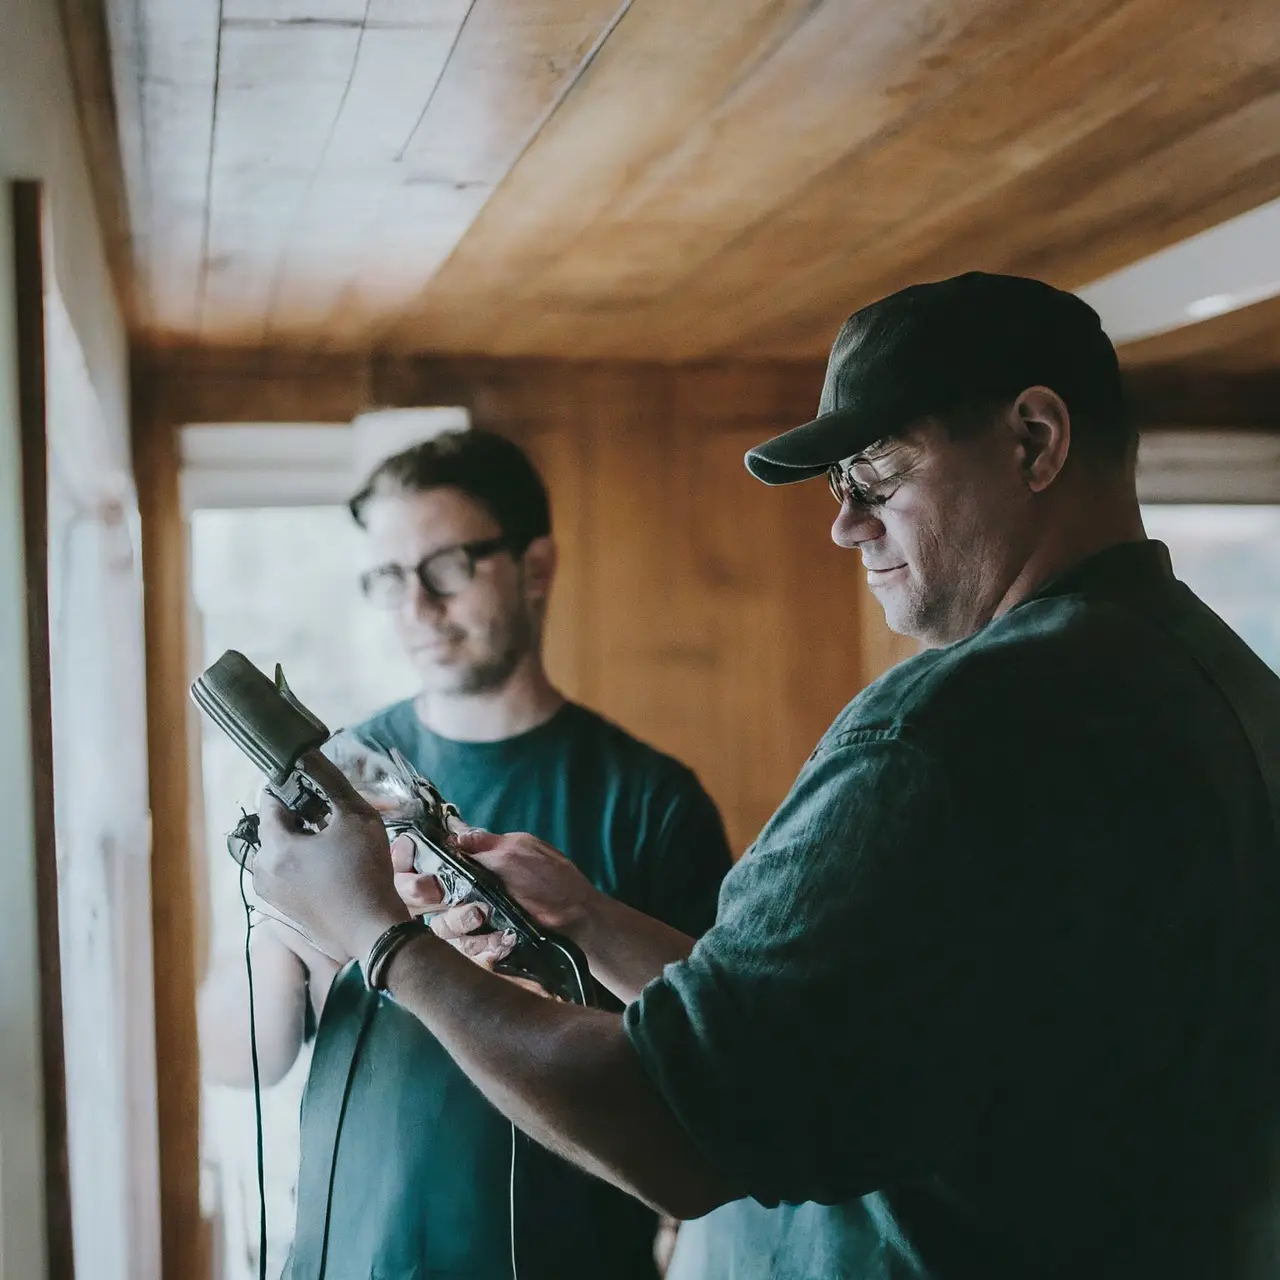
<point x="203" y="284"/>
<point x="922" y="108"/>
<point x="1153" y="211"/>
<point x="334" y="24"/>
<point x="435" y="88"/>
<point x="277" y="278"/>
<point x="745" y="72"/>
<point x="567" y="88"/>
<point x="926" y="105"/>
<point x="279" y="24"/>
<point x="142" y="258"/>
<point x="390" y="324"/>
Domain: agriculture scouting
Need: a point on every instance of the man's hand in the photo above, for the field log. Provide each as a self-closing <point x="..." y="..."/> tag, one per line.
<point x="625" y="948"/>
<point x="337" y="883"/>
<point x="422" y="895"/>
<point x="538" y="876"/>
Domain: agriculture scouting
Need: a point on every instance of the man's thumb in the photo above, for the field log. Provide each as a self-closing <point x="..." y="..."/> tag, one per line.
<point x="474" y="839"/>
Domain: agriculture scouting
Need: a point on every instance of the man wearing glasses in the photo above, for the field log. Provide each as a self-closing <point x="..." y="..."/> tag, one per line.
<point x="995" y="995"/>
<point x="406" y="1171"/>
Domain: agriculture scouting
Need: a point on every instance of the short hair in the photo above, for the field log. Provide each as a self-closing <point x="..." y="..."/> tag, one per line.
<point x="1101" y="437"/>
<point x="487" y="467"/>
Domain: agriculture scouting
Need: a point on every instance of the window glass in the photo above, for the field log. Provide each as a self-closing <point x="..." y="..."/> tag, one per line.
<point x="1230" y="557"/>
<point x="280" y="585"/>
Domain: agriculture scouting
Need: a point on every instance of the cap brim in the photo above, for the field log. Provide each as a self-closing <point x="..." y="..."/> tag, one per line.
<point x="807" y="451"/>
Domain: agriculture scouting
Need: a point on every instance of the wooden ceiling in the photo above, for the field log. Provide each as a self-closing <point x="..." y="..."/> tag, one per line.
<point x="663" y="179"/>
<point x="1239" y="342"/>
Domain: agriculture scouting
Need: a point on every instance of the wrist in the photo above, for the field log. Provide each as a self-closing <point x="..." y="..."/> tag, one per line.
<point x="393" y="968"/>
<point x="369" y="930"/>
<point x="588" y="921"/>
<point x="384" y="951"/>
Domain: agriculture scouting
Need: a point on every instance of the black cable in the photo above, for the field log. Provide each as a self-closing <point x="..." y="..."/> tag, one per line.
<point x="257" y="1081"/>
<point x="245" y="847"/>
<point x="511" y="1200"/>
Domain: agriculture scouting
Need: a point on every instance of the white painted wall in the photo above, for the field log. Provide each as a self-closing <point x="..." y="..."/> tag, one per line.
<point x="39" y="138"/>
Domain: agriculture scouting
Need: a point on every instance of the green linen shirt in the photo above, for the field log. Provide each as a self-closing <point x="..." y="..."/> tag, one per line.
<point x="995" y="993"/>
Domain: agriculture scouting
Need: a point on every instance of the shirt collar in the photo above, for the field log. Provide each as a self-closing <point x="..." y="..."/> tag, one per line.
<point x="1122" y="570"/>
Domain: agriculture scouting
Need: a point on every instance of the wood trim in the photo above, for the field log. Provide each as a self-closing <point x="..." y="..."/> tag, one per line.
<point x="28" y="250"/>
<point x="1190" y="397"/>
<point x="184" y="1237"/>
<point x="231" y="384"/>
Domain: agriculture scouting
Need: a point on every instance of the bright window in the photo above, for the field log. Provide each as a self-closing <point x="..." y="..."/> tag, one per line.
<point x="279" y="584"/>
<point x="1230" y="557"/>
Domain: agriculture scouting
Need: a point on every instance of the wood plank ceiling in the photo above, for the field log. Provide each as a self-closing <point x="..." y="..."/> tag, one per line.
<point x="660" y="179"/>
<point x="1243" y="341"/>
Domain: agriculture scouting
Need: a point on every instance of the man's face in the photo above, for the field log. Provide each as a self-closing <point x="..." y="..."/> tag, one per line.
<point x="469" y="642"/>
<point x="947" y="531"/>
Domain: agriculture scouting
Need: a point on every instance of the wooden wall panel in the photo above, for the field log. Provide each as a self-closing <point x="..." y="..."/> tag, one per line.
<point x="702" y="610"/>
<point x="563" y="459"/>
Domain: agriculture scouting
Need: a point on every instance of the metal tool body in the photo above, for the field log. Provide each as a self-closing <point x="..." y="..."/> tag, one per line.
<point x="539" y="955"/>
<point x="412" y="806"/>
<point x="269" y="725"/>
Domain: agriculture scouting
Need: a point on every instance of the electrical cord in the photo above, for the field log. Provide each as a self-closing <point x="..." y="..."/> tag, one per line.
<point x="242" y="859"/>
<point x="511" y="1201"/>
<point x="257" y="1079"/>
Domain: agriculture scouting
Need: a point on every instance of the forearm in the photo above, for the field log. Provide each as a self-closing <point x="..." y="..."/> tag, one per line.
<point x="627" y="949"/>
<point x="279" y="988"/>
<point x="565" y="1075"/>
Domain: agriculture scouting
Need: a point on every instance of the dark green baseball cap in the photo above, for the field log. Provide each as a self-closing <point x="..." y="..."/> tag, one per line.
<point x="937" y="347"/>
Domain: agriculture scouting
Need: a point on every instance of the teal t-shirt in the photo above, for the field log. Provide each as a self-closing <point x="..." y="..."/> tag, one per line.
<point x="416" y="1166"/>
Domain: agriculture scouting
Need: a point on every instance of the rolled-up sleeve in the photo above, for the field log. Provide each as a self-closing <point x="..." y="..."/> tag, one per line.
<point x="831" y="1034"/>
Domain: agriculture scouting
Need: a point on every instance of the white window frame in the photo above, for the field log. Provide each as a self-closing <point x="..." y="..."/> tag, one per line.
<point x="299" y="464"/>
<point x="1228" y="467"/>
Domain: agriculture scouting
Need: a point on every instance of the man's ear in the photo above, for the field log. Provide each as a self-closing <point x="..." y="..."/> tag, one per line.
<point x="1040" y="419"/>
<point x="539" y="565"/>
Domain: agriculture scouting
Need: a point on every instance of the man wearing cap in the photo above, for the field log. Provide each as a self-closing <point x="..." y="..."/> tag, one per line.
<point x="996" y="992"/>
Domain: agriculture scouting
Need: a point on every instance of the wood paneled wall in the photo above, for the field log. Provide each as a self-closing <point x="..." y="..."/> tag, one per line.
<point x="705" y="612"/>
<point x="709" y="614"/>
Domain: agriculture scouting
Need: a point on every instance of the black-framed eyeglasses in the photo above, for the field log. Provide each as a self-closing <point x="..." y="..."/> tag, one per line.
<point x="442" y="574"/>
<point x="857" y="481"/>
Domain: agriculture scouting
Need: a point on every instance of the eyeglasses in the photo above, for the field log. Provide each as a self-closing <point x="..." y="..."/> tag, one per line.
<point x="858" y="482"/>
<point x="442" y="574"/>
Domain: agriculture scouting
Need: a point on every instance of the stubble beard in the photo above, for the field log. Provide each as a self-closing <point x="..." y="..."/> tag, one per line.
<point x="934" y="618"/>
<point x="505" y="650"/>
